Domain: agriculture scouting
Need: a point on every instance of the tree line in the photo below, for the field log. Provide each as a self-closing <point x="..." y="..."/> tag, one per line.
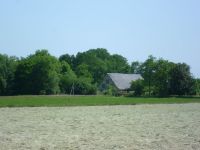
<point x="42" y="73"/>
<point x="164" y="78"/>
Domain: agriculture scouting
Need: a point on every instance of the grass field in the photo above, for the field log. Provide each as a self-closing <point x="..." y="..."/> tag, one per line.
<point x="54" y="101"/>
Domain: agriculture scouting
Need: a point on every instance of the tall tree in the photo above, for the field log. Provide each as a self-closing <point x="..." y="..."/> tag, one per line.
<point x="96" y="60"/>
<point x="100" y="62"/>
<point x="67" y="78"/>
<point x="38" y="74"/>
<point x="119" y="64"/>
<point x="161" y="77"/>
<point x="68" y="58"/>
<point x="7" y="70"/>
<point x="181" y="81"/>
<point x="147" y="71"/>
<point x="197" y="86"/>
<point x="135" y="67"/>
<point x="82" y="71"/>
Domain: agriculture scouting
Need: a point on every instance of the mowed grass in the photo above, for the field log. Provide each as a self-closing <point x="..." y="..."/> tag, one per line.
<point x="56" y="101"/>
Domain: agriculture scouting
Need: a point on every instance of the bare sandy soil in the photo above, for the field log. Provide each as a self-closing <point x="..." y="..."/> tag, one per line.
<point x="156" y="127"/>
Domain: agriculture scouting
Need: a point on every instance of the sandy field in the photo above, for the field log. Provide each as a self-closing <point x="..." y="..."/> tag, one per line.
<point x="136" y="127"/>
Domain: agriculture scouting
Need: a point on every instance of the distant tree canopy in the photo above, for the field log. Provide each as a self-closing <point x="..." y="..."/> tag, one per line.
<point x="164" y="78"/>
<point x="7" y="74"/>
<point x="38" y="74"/>
<point x="42" y="73"/>
<point x="181" y="81"/>
<point x="97" y="62"/>
<point x="197" y="86"/>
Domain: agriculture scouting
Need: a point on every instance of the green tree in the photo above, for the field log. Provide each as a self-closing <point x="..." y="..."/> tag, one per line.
<point x="135" y="67"/>
<point x="138" y="87"/>
<point x="161" y="77"/>
<point x="84" y="87"/>
<point x="7" y="70"/>
<point x="197" y="86"/>
<point x="96" y="60"/>
<point x="84" y="84"/>
<point x="147" y="72"/>
<point x="68" y="59"/>
<point x="119" y="64"/>
<point x="100" y="62"/>
<point x="67" y="78"/>
<point x="82" y="71"/>
<point x="38" y="74"/>
<point x="181" y="80"/>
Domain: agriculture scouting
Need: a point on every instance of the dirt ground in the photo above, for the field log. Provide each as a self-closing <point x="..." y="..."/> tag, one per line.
<point x="156" y="127"/>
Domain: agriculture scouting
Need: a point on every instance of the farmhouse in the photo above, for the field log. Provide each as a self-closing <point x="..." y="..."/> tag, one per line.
<point x="121" y="82"/>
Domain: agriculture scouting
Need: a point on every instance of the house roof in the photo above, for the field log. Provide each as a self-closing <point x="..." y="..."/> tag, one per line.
<point x="123" y="81"/>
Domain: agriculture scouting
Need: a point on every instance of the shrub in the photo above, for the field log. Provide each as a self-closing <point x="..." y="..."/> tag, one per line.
<point x="83" y="87"/>
<point x="112" y="91"/>
<point x="138" y="87"/>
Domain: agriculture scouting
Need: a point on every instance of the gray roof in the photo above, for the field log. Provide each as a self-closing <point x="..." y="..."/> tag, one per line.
<point x="123" y="81"/>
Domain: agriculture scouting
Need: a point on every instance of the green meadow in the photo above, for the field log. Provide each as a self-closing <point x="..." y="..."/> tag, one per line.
<point x="57" y="101"/>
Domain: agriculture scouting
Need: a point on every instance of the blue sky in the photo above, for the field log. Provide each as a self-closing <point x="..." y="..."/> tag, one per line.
<point x="133" y="28"/>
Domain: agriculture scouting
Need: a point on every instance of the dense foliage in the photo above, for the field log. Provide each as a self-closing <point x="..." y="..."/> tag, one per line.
<point x="7" y="74"/>
<point x="197" y="86"/>
<point x="37" y="74"/>
<point x="42" y="73"/>
<point x="164" y="78"/>
<point x="138" y="87"/>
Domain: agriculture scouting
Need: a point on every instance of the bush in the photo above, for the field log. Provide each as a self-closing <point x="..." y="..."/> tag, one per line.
<point x="112" y="91"/>
<point x="138" y="87"/>
<point x="83" y="87"/>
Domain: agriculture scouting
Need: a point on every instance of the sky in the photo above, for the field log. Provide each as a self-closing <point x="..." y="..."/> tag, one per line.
<point x="135" y="29"/>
